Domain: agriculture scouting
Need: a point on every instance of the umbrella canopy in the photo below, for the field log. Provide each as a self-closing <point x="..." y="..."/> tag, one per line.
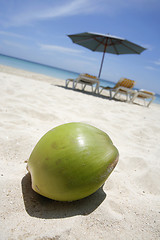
<point x="106" y="43"/>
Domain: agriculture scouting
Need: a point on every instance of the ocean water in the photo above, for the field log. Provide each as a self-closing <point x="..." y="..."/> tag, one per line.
<point x="49" y="71"/>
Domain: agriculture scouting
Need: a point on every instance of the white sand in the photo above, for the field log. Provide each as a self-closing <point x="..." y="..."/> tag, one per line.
<point x="128" y="207"/>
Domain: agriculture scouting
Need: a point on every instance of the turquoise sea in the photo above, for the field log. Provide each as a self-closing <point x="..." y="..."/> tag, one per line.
<point x="49" y="70"/>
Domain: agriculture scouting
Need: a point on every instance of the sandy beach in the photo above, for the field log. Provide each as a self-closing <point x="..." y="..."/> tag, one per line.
<point x="128" y="205"/>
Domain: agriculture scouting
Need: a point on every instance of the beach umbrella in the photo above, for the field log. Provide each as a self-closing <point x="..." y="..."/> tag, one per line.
<point x="105" y="43"/>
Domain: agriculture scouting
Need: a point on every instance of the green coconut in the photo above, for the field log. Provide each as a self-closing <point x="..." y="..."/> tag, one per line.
<point x="71" y="161"/>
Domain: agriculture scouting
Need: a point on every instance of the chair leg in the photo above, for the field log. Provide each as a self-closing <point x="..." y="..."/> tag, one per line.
<point x="127" y="97"/>
<point x="67" y="82"/>
<point x="116" y="92"/>
<point x="101" y="90"/>
<point x="150" y="101"/>
<point x="83" y="87"/>
<point x="110" y="94"/>
<point x="134" y="97"/>
<point x="74" y="85"/>
<point x="96" y="89"/>
<point x="92" y="88"/>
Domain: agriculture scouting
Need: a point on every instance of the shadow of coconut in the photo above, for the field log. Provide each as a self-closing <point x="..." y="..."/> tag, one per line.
<point x="41" y="207"/>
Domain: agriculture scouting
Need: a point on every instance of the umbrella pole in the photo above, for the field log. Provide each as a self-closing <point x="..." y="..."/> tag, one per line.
<point x="102" y="60"/>
<point x="97" y="87"/>
<point x="101" y="65"/>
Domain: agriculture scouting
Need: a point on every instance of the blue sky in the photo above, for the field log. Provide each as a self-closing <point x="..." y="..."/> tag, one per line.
<point x="37" y="30"/>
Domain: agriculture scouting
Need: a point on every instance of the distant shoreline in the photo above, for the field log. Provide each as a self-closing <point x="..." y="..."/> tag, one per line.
<point x="28" y="74"/>
<point x="39" y="63"/>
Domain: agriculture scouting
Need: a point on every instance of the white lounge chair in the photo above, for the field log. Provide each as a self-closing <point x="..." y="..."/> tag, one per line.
<point x="84" y="79"/>
<point x="123" y="86"/>
<point x="143" y="94"/>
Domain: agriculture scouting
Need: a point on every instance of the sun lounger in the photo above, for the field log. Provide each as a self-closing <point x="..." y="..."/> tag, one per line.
<point x="123" y="86"/>
<point x="84" y="79"/>
<point x="68" y="81"/>
<point x="143" y="94"/>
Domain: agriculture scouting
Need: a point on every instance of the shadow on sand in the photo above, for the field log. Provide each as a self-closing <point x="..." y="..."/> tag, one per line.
<point x="41" y="207"/>
<point x="91" y="94"/>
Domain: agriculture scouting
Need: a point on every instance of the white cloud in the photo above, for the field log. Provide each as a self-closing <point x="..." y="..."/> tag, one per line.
<point x="66" y="50"/>
<point x="149" y="47"/>
<point x="154" y="67"/>
<point x="68" y="9"/>
<point x="11" y="34"/>
<point x="59" y="49"/>
<point x="14" y="44"/>
<point x="157" y="62"/>
<point x="48" y="11"/>
<point x="28" y="11"/>
<point x="150" y="68"/>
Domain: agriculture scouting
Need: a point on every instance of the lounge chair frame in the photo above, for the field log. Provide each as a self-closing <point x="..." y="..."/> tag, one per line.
<point x="143" y="94"/>
<point x="84" y="79"/>
<point x="125" y="91"/>
<point x="123" y="86"/>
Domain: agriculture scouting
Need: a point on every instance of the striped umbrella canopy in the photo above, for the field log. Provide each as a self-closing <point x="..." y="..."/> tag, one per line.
<point x="105" y="43"/>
